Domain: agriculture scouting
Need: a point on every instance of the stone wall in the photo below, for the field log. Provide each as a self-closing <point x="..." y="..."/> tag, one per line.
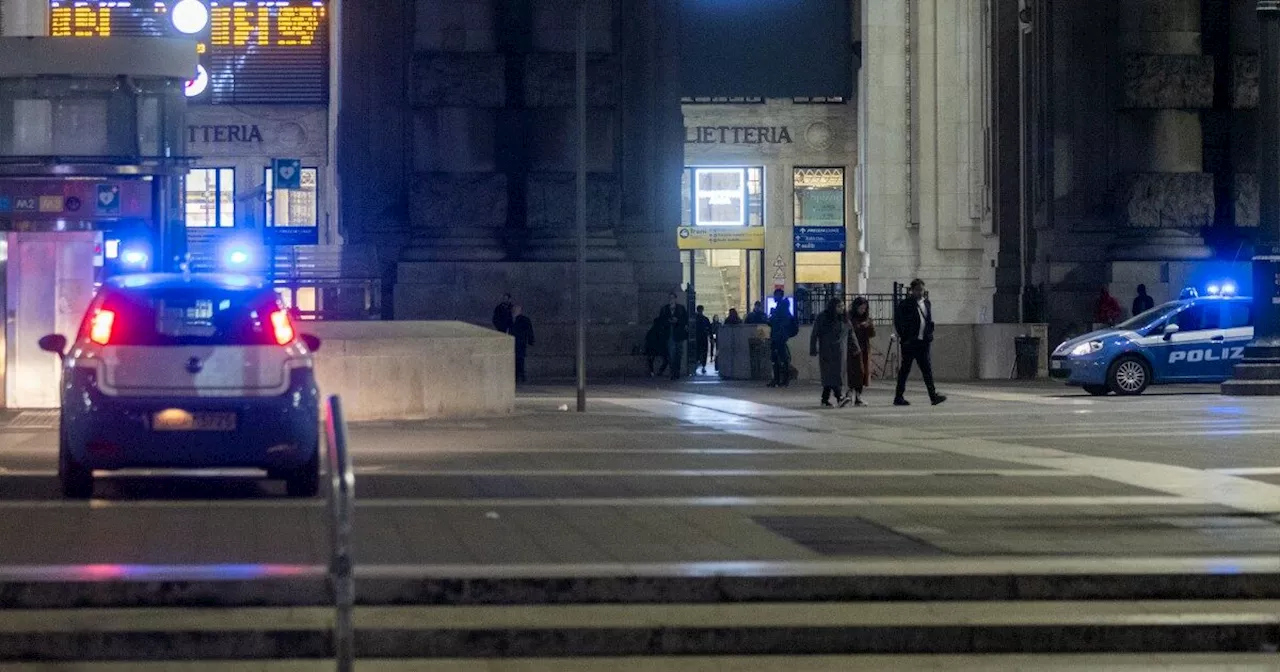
<point x="926" y="208"/>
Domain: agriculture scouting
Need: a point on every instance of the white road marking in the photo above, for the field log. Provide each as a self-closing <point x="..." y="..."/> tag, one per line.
<point x="714" y="473"/>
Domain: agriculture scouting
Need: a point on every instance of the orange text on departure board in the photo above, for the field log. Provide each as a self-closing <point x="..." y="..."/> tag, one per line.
<point x="253" y="26"/>
<point x="80" y="22"/>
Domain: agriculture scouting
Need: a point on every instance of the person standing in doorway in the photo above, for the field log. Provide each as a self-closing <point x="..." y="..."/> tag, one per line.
<point x="502" y="314"/>
<point x="676" y="319"/>
<point x="757" y="314"/>
<point x="782" y="327"/>
<point x="733" y="319"/>
<point x="862" y="330"/>
<point x="701" y="338"/>
<point x="1143" y="301"/>
<point x="914" y="322"/>
<point x="522" y="331"/>
<point x="829" y="342"/>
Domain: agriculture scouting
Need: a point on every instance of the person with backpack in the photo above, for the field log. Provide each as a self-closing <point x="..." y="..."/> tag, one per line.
<point x="782" y="328"/>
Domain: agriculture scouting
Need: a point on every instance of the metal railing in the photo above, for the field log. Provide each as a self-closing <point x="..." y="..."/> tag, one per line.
<point x="881" y="306"/>
<point x="342" y="493"/>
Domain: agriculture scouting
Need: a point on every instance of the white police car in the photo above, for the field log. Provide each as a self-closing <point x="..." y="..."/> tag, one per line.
<point x="1196" y="339"/>
<point x="187" y="372"/>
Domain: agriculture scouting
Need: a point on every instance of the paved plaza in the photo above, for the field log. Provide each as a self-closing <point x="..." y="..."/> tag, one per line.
<point x="731" y="476"/>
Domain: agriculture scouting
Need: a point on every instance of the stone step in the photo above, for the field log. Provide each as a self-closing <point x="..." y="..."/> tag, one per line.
<point x="1195" y="626"/>
<point x="854" y="663"/>
<point x="141" y="586"/>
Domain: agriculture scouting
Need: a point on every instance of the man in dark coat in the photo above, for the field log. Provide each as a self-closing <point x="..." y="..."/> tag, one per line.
<point x="828" y="342"/>
<point x="701" y="338"/>
<point x="655" y="347"/>
<point x="782" y="326"/>
<point x="522" y="331"/>
<point x="757" y="316"/>
<point x="676" y="319"/>
<point x="914" y="322"/>
<point x="1143" y="301"/>
<point x="502" y="314"/>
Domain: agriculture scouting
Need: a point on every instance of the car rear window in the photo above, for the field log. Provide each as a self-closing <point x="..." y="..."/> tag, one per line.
<point x="192" y="317"/>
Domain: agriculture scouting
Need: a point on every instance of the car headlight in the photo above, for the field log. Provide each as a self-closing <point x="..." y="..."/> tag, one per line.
<point x="1087" y="348"/>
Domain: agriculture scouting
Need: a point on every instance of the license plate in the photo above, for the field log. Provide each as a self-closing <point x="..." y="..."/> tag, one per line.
<point x="182" y="421"/>
<point x="1057" y="365"/>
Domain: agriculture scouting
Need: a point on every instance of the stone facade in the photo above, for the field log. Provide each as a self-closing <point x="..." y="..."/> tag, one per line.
<point x="924" y="117"/>
<point x="492" y="198"/>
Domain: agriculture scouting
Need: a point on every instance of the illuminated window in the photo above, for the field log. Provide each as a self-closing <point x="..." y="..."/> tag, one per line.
<point x="294" y="207"/>
<point x="211" y="198"/>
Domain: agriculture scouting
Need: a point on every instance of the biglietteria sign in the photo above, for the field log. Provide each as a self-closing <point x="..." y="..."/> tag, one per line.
<point x="737" y="135"/>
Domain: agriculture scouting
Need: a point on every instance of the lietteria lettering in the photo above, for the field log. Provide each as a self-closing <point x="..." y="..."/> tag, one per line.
<point x="737" y="135"/>
<point x="224" y="134"/>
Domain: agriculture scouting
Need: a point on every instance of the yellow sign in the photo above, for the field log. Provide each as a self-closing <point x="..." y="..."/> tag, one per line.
<point x="720" y="237"/>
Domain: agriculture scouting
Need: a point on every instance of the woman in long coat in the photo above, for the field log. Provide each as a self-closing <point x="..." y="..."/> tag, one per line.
<point x="859" y="355"/>
<point x="828" y="343"/>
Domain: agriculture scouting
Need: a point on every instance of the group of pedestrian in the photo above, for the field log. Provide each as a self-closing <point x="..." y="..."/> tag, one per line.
<point x="1107" y="310"/>
<point x="509" y="318"/>
<point x="666" y="341"/>
<point x="842" y="343"/>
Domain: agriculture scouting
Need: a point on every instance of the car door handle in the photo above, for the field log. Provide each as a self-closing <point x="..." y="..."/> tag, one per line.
<point x="1219" y="338"/>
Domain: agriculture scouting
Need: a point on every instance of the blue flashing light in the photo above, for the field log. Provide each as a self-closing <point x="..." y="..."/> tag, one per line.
<point x="237" y="257"/>
<point x="1228" y="289"/>
<point x="1214" y="290"/>
<point x="134" y="258"/>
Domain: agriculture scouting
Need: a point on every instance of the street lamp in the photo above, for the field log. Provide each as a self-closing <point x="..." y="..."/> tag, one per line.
<point x="1259" y="373"/>
<point x="580" y="68"/>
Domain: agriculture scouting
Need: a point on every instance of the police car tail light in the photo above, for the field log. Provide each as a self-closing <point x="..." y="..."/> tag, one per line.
<point x="282" y="327"/>
<point x="100" y="326"/>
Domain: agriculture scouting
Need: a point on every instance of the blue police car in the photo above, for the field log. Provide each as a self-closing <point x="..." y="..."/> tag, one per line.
<point x="1196" y="339"/>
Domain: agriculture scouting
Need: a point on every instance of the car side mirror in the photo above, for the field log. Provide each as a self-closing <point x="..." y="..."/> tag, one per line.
<point x="1170" y="330"/>
<point x="313" y="342"/>
<point x="55" y="343"/>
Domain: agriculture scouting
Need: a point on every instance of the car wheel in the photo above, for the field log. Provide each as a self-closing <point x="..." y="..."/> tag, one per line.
<point x="1097" y="390"/>
<point x="75" y="478"/>
<point x="304" y="482"/>
<point x="1129" y="375"/>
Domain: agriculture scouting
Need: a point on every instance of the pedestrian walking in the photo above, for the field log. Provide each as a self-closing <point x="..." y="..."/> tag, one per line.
<point x="676" y="319"/>
<point x="502" y="314"/>
<point x="1143" y="301"/>
<point x="829" y="343"/>
<point x="862" y="330"/>
<point x="914" y="322"/>
<point x="655" y="347"/>
<point x="701" y="338"/>
<point x="522" y="331"/>
<point x="782" y="327"/>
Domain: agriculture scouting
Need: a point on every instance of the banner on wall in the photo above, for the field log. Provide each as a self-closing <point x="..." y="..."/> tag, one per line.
<point x="720" y="238"/>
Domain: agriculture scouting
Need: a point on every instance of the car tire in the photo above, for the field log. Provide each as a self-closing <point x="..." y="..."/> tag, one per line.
<point x="304" y="482"/>
<point x="1129" y="375"/>
<point x="1097" y="390"/>
<point x="75" y="478"/>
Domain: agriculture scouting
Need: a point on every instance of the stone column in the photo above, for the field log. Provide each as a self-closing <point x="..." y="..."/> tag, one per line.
<point x="24" y="18"/>
<point x="1166" y="198"/>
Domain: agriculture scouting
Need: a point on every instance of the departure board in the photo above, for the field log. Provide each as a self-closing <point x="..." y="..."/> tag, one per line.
<point x="251" y="51"/>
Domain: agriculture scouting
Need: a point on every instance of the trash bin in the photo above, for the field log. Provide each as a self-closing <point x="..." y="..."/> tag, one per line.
<point x="761" y="359"/>
<point x="1027" y="356"/>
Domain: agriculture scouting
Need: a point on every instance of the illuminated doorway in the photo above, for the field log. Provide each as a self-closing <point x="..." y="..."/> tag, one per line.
<point x="723" y="197"/>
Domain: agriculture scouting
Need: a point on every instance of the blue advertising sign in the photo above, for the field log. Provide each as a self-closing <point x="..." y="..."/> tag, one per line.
<point x="819" y="238"/>
<point x="288" y="173"/>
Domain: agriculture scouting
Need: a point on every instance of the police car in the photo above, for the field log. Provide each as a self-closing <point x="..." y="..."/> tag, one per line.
<point x="1196" y="339"/>
<point x="187" y="372"/>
